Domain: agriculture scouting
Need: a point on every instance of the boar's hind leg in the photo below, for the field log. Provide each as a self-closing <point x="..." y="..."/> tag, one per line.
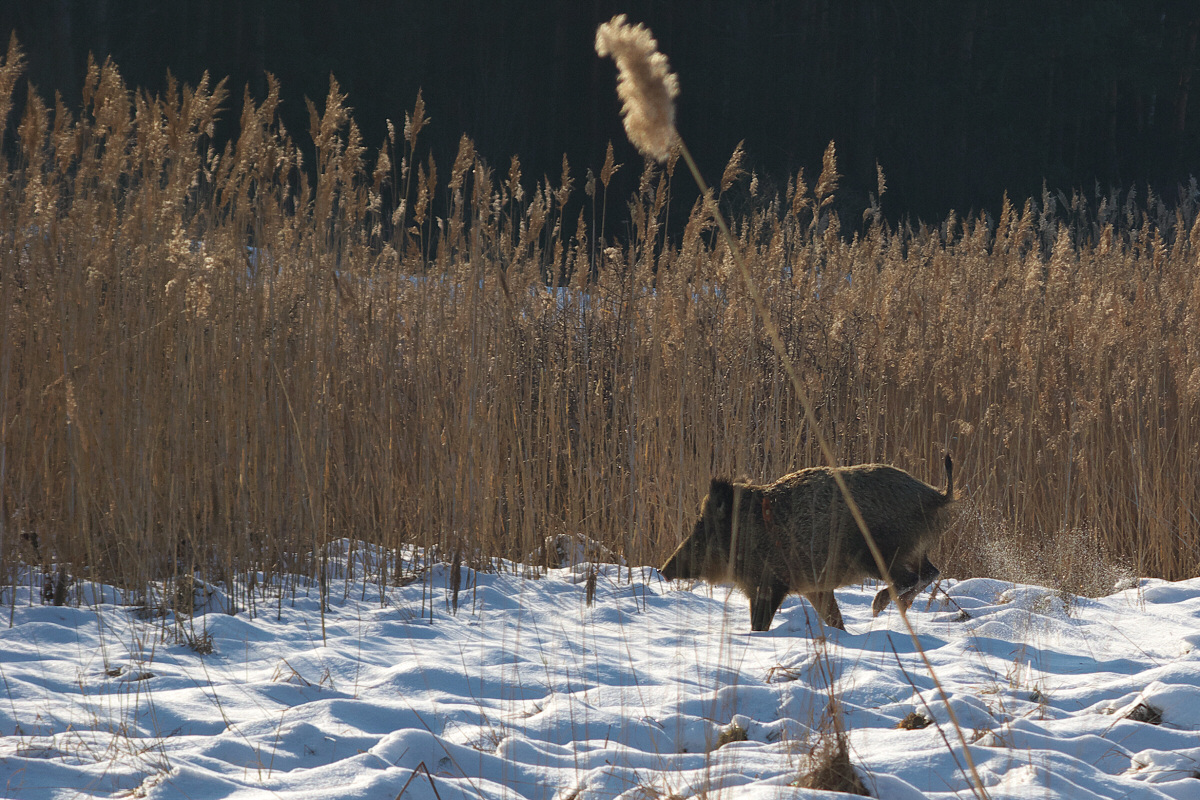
<point x="927" y="574"/>
<point x="764" y="605"/>
<point x="826" y="605"/>
<point x="908" y="584"/>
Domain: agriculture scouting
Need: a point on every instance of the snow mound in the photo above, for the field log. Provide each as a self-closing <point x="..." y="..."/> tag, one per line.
<point x="527" y="691"/>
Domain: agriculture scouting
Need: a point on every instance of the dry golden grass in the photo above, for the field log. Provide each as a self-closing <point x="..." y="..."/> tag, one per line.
<point x="220" y="361"/>
<point x="831" y="770"/>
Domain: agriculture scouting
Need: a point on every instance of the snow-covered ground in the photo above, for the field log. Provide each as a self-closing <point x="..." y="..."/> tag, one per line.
<point x="527" y="692"/>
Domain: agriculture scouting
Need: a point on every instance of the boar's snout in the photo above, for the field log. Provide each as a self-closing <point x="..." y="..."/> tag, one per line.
<point x="681" y="565"/>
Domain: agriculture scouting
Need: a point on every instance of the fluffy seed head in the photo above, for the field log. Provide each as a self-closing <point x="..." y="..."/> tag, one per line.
<point x="645" y="84"/>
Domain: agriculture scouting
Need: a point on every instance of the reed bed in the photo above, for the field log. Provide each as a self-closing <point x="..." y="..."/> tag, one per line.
<point x="216" y="362"/>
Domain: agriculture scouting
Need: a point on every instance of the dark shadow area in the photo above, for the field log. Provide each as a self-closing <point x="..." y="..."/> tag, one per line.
<point x="957" y="101"/>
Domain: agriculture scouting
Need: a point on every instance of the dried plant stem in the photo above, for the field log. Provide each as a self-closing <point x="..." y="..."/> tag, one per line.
<point x="319" y="549"/>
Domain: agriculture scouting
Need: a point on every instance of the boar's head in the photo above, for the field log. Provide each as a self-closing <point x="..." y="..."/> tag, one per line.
<point x="705" y="554"/>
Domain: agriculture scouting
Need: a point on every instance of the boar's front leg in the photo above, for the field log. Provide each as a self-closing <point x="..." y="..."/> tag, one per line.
<point x="765" y="603"/>
<point x="826" y="605"/>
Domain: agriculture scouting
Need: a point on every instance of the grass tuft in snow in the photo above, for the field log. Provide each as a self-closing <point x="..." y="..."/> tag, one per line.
<point x="830" y="769"/>
<point x="914" y="721"/>
<point x="731" y="733"/>
<point x="201" y="644"/>
<point x="1144" y="712"/>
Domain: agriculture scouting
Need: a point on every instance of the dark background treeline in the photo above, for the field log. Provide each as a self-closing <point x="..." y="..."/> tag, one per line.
<point x="958" y="100"/>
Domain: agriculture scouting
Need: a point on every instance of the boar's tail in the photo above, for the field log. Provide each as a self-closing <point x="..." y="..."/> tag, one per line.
<point x="949" y="478"/>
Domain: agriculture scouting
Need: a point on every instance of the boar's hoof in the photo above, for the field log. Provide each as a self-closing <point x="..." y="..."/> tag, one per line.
<point x="881" y="602"/>
<point x="761" y="615"/>
<point x="903" y="599"/>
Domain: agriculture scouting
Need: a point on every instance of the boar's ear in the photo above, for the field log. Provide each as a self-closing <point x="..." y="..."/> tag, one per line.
<point x="720" y="497"/>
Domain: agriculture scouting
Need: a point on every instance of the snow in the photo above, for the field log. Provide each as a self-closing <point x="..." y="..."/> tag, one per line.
<point x="528" y="692"/>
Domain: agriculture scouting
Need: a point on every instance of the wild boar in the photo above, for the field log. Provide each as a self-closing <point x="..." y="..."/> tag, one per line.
<point x="798" y="535"/>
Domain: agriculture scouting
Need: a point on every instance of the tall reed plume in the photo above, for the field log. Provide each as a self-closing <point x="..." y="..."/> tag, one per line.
<point x="645" y="84"/>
